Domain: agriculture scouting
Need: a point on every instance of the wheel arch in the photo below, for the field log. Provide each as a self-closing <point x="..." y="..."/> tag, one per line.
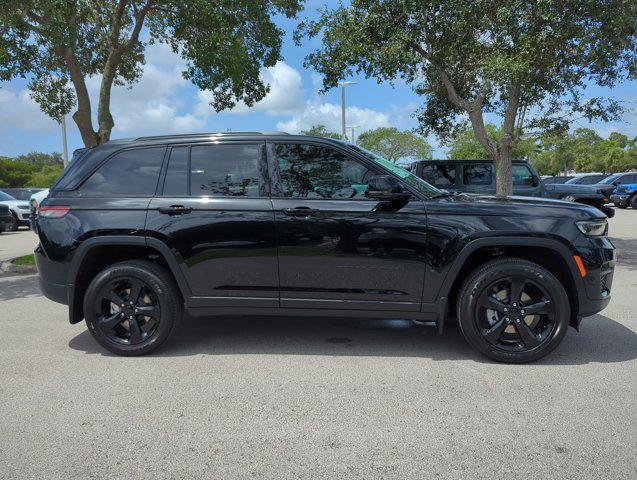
<point x="548" y="253"/>
<point x="95" y="254"/>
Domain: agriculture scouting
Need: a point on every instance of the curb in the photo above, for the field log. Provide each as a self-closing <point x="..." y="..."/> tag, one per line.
<point x="8" y="267"/>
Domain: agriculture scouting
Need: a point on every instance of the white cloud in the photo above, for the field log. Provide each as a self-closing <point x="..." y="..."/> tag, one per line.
<point x="153" y="103"/>
<point x="329" y="114"/>
<point x="286" y="97"/>
<point x="20" y="111"/>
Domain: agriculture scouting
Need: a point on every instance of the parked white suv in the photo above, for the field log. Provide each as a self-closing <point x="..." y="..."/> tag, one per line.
<point x="20" y="211"/>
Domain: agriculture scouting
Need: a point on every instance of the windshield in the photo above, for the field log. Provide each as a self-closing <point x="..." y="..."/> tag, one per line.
<point x="611" y="179"/>
<point x="6" y="197"/>
<point x="416" y="182"/>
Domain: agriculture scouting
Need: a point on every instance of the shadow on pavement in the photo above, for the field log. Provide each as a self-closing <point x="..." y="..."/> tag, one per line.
<point x="601" y="340"/>
<point x="19" y="287"/>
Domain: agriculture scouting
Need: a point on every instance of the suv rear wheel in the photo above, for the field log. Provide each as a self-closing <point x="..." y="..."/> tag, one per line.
<point x="512" y="310"/>
<point x="633" y="201"/>
<point x="132" y="307"/>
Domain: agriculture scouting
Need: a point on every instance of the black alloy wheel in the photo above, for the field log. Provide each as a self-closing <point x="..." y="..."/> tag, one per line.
<point x="515" y="313"/>
<point x="513" y="310"/>
<point x="132" y="307"/>
<point x="129" y="312"/>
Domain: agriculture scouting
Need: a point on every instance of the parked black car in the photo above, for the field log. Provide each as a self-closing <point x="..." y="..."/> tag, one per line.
<point x="478" y="176"/>
<point x="6" y="219"/>
<point x="586" y="179"/>
<point x="138" y="230"/>
<point x="557" y="179"/>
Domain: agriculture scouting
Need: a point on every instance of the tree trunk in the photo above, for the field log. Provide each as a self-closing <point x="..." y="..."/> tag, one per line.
<point x="82" y="116"/>
<point x="104" y="118"/>
<point x="503" y="173"/>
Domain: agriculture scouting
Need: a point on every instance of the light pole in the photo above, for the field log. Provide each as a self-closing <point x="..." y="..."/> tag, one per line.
<point x="353" y="127"/>
<point x="343" y="128"/>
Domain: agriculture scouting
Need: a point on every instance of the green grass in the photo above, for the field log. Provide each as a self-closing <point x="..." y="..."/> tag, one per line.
<point x="24" y="260"/>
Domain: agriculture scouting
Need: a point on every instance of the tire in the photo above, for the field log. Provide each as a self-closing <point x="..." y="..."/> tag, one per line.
<point x="622" y="205"/>
<point x="506" y="332"/>
<point x="13" y="226"/>
<point x="568" y="198"/>
<point x="120" y="328"/>
<point x="633" y="201"/>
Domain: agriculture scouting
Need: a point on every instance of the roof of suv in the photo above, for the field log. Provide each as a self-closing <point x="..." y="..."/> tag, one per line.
<point x="460" y="160"/>
<point x="189" y="137"/>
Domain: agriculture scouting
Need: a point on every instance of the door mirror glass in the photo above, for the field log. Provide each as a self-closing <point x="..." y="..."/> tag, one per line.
<point x="386" y="188"/>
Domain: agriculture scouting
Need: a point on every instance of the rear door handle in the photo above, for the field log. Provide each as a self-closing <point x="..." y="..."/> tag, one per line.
<point x="300" y="212"/>
<point x="175" y="210"/>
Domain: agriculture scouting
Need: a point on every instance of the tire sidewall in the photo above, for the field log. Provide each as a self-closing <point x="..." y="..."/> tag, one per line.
<point x="497" y="270"/>
<point x="167" y="305"/>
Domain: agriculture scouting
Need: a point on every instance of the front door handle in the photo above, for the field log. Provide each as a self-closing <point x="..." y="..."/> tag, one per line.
<point x="300" y="212"/>
<point x="175" y="210"/>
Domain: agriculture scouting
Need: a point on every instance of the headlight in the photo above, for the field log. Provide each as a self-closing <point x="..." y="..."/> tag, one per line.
<point x="593" y="228"/>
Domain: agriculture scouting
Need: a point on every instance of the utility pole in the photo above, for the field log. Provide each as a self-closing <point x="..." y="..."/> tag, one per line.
<point x="353" y="137"/>
<point x="343" y="127"/>
<point x="65" y="157"/>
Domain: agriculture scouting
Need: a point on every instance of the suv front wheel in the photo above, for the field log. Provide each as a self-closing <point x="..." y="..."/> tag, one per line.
<point x="513" y="310"/>
<point x="132" y="307"/>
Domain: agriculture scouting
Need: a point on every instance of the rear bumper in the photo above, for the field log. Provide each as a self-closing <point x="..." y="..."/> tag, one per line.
<point x="55" y="291"/>
<point x="5" y="221"/>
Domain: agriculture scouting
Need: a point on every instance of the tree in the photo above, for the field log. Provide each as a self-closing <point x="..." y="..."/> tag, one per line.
<point x="45" y="177"/>
<point x="395" y="145"/>
<point x="464" y="145"/>
<point x="321" y="130"/>
<point x="527" y="62"/>
<point x="60" y="43"/>
<point x="40" y="159"/>
<point x="14" y="174"/>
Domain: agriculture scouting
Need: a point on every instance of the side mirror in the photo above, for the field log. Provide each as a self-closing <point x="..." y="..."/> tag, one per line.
<point x="386" y="188"/>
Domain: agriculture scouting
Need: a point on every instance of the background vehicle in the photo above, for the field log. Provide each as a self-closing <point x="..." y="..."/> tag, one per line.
<point x="34" y="203"/>
<point x="587" y="179"/>
<point x="625" y="195"/>
<point x="547" y="179"/>
<point x="20" y="211"/>
<point x="6" y="219"/>
<point x="21" y="193"/>
<point x="141" y="229"/>
<point x="609" y="184"/>
<point x="478" y="176"/>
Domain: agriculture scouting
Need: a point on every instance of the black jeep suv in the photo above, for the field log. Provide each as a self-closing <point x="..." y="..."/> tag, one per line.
<point x="137" y="231"/>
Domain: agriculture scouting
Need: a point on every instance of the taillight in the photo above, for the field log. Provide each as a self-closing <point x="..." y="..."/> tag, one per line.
<point x="53" y="212"/>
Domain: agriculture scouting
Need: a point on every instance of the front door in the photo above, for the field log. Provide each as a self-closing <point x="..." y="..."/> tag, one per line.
<point x="214" y="213"/>
<point x="338" y="248"/>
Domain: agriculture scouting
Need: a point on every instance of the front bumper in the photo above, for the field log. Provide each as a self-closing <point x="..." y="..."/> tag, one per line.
<point x="599" y="259"/>
<point x="619" y="199"/>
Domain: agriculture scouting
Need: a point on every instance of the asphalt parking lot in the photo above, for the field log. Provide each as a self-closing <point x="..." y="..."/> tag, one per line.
<point x="310" y="398"/>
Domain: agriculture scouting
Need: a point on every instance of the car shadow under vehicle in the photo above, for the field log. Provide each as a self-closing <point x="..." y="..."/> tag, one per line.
<point x="601" y="340"/>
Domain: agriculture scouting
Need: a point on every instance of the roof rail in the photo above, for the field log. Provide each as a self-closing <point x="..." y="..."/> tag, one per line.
<point x="209" y="134"/>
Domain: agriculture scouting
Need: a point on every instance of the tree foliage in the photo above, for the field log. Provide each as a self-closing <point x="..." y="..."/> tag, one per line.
<point x="584" y="151"/>
<point x="395" y="145"/>
<point x="464" y="145"/>
<point x="527" y="62"/>
<point x="59" y="44"/>
<point x="321" y="130"/>
<point x="34" y="169"/>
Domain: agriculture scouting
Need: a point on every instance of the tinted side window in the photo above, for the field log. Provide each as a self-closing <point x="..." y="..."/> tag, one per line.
<point x="478" y="174"/>
<point x="176" y="181"/>
<point x="312" y="171"/>
<point x="522" y="175"/>
<point x="441" y="176"/>
<point x="625" y="179"/>
<point x="227" y="170"/>
<point x="131" y="173"/>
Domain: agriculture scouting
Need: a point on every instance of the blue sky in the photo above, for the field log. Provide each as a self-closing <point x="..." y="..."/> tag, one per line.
<point x="163" y="102"/>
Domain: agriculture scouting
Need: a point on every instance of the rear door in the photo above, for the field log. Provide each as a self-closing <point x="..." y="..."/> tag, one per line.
<point x="338" y="248"/>
<point x="213" y="211"/>
<point x="478" y="177"/>
<point x="524" y="182"/>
